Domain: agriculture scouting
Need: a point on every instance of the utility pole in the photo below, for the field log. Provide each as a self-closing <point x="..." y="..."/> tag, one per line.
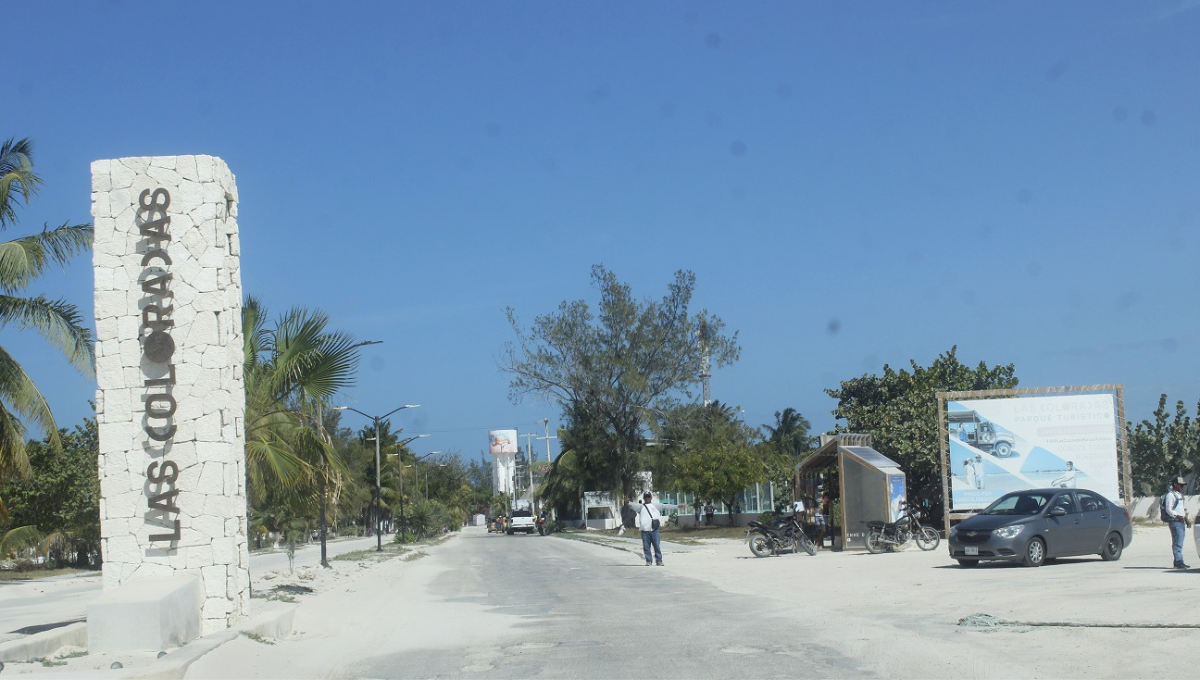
<point x="529" y="464"/>
<point x="546" y="422"/>
<point x="705" y="363"/>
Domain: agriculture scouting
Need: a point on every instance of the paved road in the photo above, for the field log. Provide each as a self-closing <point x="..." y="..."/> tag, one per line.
<point x="29" y="606"/>
<point x="489" y="605"/>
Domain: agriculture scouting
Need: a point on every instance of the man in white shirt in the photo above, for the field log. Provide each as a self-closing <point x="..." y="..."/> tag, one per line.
<point x="1067" y="480"/>
<point x="1175" y="508"/>
<point x="648" y="520"/>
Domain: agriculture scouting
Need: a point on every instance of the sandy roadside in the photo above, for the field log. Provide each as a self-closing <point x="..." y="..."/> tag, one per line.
<point x="899" y="612"/>
<point x="273" y="590"/>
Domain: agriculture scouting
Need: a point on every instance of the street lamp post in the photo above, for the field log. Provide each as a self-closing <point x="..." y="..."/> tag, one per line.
<point x="400" y="462"/>
<point x="324" y="471"/>
<point x="417" y="472"/>
<point x="378" y="505"/>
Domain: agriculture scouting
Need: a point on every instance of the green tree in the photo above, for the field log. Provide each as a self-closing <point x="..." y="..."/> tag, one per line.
<point x="717" y="457"/>
<point x="613" y="363"/>
<point x="21" y="262"/>
<point x="899" y="410"/>
<point x="61" y="499"/>
<point x="1165" y="448"/>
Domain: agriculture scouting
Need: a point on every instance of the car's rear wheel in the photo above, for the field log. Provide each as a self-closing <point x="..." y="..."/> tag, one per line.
<point x="968" y="563"/>
<point x="1035" y="553"/>
<point x="1114" y="545"/>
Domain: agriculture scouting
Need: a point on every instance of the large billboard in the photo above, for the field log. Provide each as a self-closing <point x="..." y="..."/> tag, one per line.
<point x="1001" y="445"/>
<point x="502" y="441"/>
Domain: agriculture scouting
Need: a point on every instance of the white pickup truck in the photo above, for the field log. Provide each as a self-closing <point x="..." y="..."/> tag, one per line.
<point x="522" y="520"/>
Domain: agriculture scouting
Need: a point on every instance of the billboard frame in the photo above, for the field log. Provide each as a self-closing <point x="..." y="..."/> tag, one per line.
<point x="1124" y="484"/>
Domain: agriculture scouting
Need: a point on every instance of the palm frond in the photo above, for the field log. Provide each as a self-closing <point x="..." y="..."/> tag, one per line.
<point x="58" y="322"/>
<point x="16" y="174"/>
<point x="26" y="258"/>
<point x="310" y="359"/>
<point x="19" y="397"/>
<point x="18" y="539"/>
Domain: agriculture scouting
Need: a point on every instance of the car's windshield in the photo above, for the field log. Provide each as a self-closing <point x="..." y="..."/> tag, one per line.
<point x="1029" y="503"/>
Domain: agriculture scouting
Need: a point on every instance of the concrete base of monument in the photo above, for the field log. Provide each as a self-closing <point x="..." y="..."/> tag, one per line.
<point x="146" y="614"/>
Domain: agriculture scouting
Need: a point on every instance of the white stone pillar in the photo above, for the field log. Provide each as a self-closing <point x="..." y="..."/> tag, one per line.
<point x="170" y="397"/>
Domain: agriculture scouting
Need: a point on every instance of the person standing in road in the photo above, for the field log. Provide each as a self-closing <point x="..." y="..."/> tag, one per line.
<point x="1175" y="509"/>
<point x="649" y="519"/>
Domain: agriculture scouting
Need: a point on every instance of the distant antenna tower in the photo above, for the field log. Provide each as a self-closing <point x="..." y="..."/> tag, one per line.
<point x="705" y="364"/>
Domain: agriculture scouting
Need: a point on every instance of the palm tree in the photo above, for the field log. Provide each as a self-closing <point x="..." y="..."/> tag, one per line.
<point x="21" y="261"/>
<point x="289" y="372"/>
<point x="790" y="433"/>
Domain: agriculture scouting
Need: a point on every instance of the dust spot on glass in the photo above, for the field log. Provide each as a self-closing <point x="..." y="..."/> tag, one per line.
<point x="492" y="129"/>
<point x="1169" y="345"/>
<point x="969" y="296"/>
<point x="738" y="192"/>
<point x="667" y="109"/>
<point x="1024" y="195"/>
<point x="378" y="363"/>
<point x="870" y="362"/>
<point x="713" y="40"/>
<point x="25" y="88"/>
<point x="204" y="107"/>
<point x="785" y="92"/>
<point x="833" y="326"/>
<point x="1128" y="299"/>
<point x="1120" y="113"/>
<point x="1056" y="70"/>
<point x="465" y="163"/>
<point x="378" y="75"/>
<point x="712" y="120"/>
<point x="1033" y="268"/>
<point x="737" y="148"/>
<point x="598" y="94"/>
<point x="913" y="257"/>
<point x="984" y="232"/>
<point x="1148" y="117"/>
<point x="548" y="164"/>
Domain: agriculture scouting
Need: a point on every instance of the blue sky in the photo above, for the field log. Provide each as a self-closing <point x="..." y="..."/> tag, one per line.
<point x="853" y="185"/>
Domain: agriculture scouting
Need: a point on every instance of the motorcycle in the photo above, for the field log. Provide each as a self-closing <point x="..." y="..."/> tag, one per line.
<point x="888" y="536"/>
<point x="782" y="534"/>
<point x="542" y="527"/>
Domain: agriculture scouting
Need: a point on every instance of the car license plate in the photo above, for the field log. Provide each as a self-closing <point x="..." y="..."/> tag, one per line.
<point x="971" y="550"/>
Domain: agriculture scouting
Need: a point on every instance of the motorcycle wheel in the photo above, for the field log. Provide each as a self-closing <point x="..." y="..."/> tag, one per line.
<point x="928" y="538"/>
<point x="761" y="546"/>
<point x="874" y="543"/>
<point x="806" y="544"/>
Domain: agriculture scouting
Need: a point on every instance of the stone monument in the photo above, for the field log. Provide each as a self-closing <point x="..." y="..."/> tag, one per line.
<point x="170" y="402"/>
